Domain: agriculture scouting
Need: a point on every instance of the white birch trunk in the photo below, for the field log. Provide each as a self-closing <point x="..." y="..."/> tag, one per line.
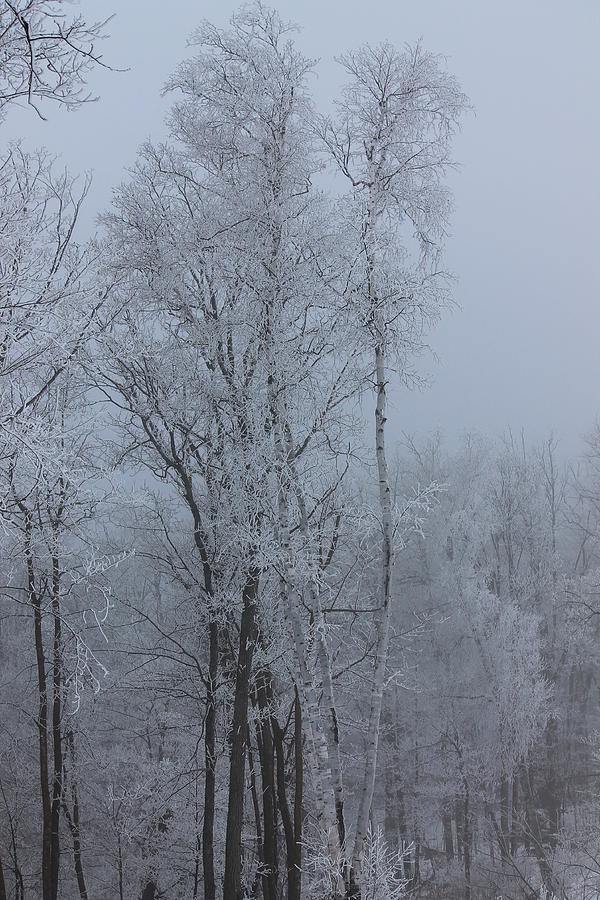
<point x="381" y="654"/>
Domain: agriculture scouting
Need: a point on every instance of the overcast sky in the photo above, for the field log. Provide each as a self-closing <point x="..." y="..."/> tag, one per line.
<point x="523" y="348"/>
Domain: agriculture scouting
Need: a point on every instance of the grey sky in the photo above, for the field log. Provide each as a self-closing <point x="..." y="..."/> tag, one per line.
<point x="523" y="349"/>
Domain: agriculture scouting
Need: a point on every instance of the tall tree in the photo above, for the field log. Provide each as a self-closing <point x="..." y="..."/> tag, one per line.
<point x="391" y="141"/>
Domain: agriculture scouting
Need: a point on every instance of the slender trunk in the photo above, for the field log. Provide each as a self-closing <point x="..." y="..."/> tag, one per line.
<point x="534" y="832"/>
<point x="404" y="841"/>
<point x="210" y="739"/>
<point x="19" y="886"/>
<point x="458" y="817"/>
<point x="381" y="654"/>
<point x="19" y="882"/>
<point x="504" y="833"/>
<point x="416" y="867"/>
<point x="529" y="817"/>
<point x="284" y="808"/>
<point x="198" y="848"/>
<point x="57" y="689"/>
<point x="232" y="881"/>
<point x="73" y="819"/>
<point x="491" y="834"/>
<point x="2" y="883"/>
<point x="211" y="689"/>
<point x="256" y="808"/>
<point x="514" y="826"/>
<point x="395" y="811"/>
<point x="447" y="828"/>
<point x="120" y="865"/>
<point x="416" y="879"/>
<point x="42" y="722"/>
<point x="324" y="799"/>
<point x="295" y="876"/>
<point x="391" y="826"/>
<point x="77" y="858"/>
<point x="292" y="827"/>
<point x="467" y="837"/>
<point x="333" y="735"/>
<point x="267" y="767"/>
<point x="197" y="868"/>
<point x="200" y="540"/>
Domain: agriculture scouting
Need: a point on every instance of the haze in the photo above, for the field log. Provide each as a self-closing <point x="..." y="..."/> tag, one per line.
<point x="521" y="349"/>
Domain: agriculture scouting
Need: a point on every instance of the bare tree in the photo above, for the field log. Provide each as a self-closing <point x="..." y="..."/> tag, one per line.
<point x="45" y="54"/>
<point x="391" y="141"/>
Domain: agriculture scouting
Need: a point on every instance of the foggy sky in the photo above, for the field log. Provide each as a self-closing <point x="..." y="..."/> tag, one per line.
<point x="523" y="348"/>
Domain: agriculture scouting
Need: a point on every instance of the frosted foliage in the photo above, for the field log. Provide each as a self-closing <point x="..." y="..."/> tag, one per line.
<point x="46" y="53"/>
<point x="382" y="870"/>
<point x="506" y="666"/>
<point x="250" y="646"/>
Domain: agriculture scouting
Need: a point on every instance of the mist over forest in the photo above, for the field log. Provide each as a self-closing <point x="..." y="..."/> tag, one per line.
<point x="268" y="629"/>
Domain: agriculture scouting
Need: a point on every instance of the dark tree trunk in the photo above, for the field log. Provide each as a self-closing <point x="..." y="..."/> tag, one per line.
<point x="210" y="739"/>
<point x="208" y="865"/>
<point x="2" y="883"/>
<point x="504" y="834"/>
<point x="57" y="688"/>
<point x="534" y="831"/>
<point x="295" y="874"/>
<point x="467" y="838"/>
<point x="292" y="826"/>
<point x="51" y="798"/>
<point x="404" y="841"/>
<point x="232" y="881"/>
<point x="447" y="828"/>
<point x="120" y="866"/>
<point x="257" y="819"/>
<point x="514" y="830"/>
<point x="197" y="869"/>
<point x="267" y="766"/>
<point x="73" y="819"/>
<point x="395" y="813"/>
<point x="529" y="816"/>
<point x="416" y="866"/>
<point x="42" y="724"/>
<point x="19" y="888"/>
<point x="458" y="819"/>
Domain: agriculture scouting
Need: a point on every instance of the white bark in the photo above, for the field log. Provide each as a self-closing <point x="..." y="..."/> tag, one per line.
<point x="383" y="637"/>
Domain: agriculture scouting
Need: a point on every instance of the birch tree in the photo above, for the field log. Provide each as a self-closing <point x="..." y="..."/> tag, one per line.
<point x="391" y="140"/>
